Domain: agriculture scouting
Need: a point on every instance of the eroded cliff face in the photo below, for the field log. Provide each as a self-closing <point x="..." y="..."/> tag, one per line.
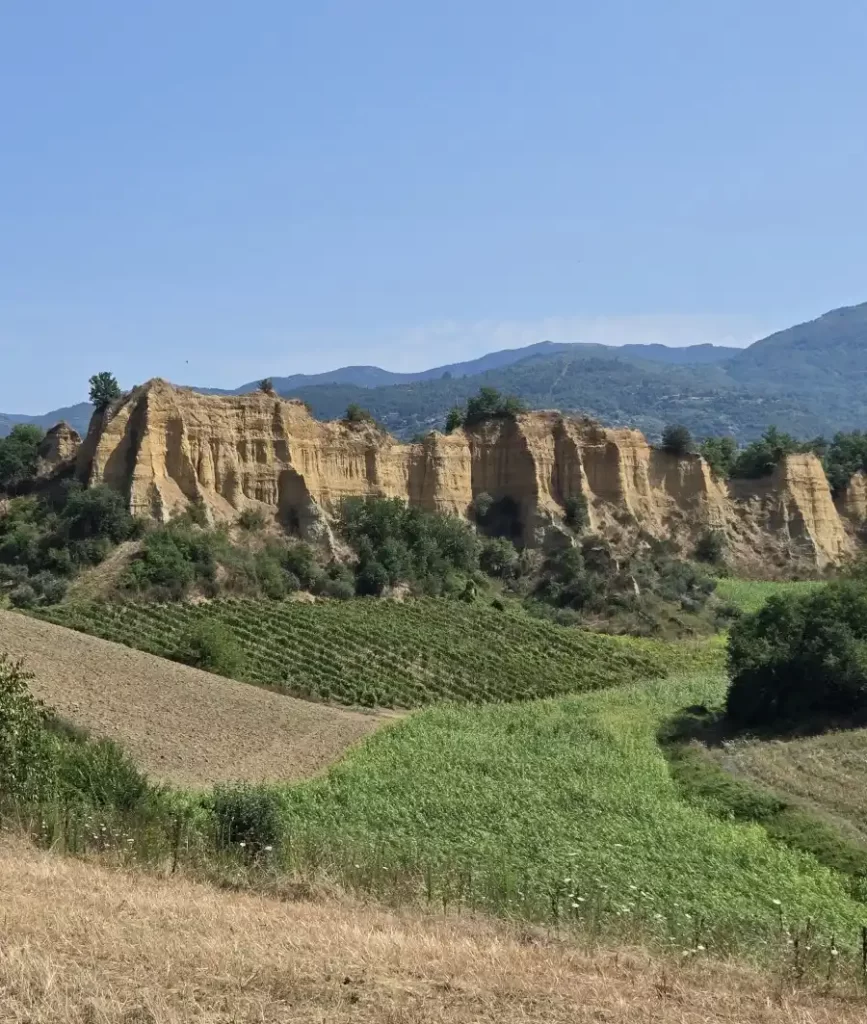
<point x="165" y="447"/>
<point x="59" y="447"/>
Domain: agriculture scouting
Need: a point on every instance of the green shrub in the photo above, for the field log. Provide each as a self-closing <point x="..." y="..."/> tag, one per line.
<point x="26" y="768"/>
<point x="711" y="547"/>
<point x="174" y="558"/>
<point x="211" y="646"/>
<point x="489" y="404"/>
<point x="357" y="414"/>
<point x="23" y="596"/>
<point x="801" y="659"/>
<point x="19" y="455"/>
<point x="101" y="774"/>
<point x="196" y="512"/>
<point x="482" y="505"/>
<point x="249" y="817"/>
<point x="761" y="458"/>
<point x="845" y="456"/>
<point x="339" y="589"/>
<point x="576" y="513"/>
<point x="252" y="519"/>
<point x="499" y="558"/>
<point x="96" y="513"/>
<point x="372" y="579"/>
<point x="454" y="419"/>
<point x="300" y="561"/>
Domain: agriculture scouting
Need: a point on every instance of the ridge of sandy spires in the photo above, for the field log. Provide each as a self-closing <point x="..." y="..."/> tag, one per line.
<point x="165" y="446"/>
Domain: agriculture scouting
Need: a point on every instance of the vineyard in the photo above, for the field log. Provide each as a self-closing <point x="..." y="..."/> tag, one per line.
<point x="382" y="653"/>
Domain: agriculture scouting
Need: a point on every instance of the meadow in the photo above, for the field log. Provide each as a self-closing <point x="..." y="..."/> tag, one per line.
<point x="750" y="595"/>
<point x="535" y="788"/>
<point x="563" y="811"/>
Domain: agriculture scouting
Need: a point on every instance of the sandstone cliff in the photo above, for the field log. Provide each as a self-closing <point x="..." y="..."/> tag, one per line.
<point x="165" y="446"/>
<point x="58" y="448"/>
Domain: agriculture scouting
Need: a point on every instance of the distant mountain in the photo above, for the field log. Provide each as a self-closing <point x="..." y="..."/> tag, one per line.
<point x="828" y="354"/>
<point x="809" y="379"/>
<point x="374" y="377"/>
<point x="77" y="416"/>
<point x="615" y="389"/>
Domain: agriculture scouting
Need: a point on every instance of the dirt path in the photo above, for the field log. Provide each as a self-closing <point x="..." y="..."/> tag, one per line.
<point x="182" y="725"/>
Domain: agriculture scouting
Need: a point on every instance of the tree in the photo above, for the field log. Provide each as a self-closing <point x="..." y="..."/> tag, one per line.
<point x="266" y="385"/>
<point x="19" y="454"/>
<point x="843" y="458"/>
<point x="499" y="558"/>
<point x="720" y="453"/>
<point x="801" y="658"/>
<point x="104" y="389"/>
<point x="357" y="414"/>
<point x="676" y="439"/>
<point x="454" y="419"/>
<point x="577" y="514"/>
<point x="761" y="458"/>
<point x="711" y="547"/>
<point x="490" y="404"/>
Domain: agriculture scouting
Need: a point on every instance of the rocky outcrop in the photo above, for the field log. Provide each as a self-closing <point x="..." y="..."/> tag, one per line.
<point x="165" y="447"/>
<point x="852" y="501"/>
<point x="58" y="449"/>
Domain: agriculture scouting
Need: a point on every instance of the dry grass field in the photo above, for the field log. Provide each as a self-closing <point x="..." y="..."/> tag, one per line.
<point x="84" y="944"/>
<point x="180" y="724"/>
<point x="827" y="772"/>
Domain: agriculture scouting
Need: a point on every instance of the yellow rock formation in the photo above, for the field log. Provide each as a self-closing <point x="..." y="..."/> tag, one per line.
<point x="166" y="446"/>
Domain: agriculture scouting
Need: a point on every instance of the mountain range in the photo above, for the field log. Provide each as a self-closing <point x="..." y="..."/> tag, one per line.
<point x="808" y="379"/>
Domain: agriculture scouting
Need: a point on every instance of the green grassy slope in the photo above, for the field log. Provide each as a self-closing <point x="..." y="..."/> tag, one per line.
<point x="561" y="810"/>
<point x="388" y="653"/>
<point x="750" y="595"/>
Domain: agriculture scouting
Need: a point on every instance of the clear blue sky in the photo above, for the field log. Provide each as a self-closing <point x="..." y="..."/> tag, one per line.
<point x="212" y="191"/>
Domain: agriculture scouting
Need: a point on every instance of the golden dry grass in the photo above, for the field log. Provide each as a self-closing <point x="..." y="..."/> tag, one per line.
<point x="181" y="725"/>
<point x="82" y="944"/>
<point x="827" y="772"/>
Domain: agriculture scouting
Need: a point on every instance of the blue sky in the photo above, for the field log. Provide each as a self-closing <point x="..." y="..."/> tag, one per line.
<point x="213" y="191"/>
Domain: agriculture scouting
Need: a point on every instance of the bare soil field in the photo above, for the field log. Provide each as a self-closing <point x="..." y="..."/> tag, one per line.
<point x="85" y="944"/>
<point x="181" y="725"/>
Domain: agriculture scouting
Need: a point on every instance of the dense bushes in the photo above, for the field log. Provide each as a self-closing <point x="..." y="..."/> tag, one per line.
<point x="19" y="455"/>
<point x="759" y="458"/>
<point x="488" y="404"/>
<point x="356" y="414"/>
<point x="397" y="544"/>
<point x="249" y="817"/>
<point x="173" y="559"/>
<point x="25" y="765"/>
<point x="845" y="456"/>
<point x="801" y="658"/>
<point x="711" y="547"/>
<point x="42" y="759"/>
<point x="209" y="646"/>
<point x="45" y="541"/>
<point x="720" y="453"/>
<point x="647" y="591"/>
